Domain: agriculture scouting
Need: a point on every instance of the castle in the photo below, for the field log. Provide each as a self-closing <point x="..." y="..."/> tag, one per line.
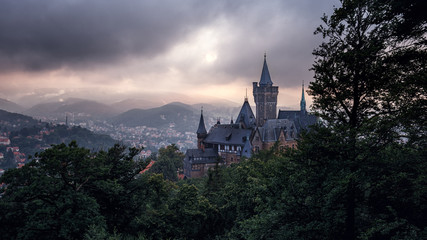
<point x="225" y="144"/>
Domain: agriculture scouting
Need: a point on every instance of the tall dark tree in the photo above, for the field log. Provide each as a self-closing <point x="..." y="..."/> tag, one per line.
<point x="370" y="90"/>
<point x="371" y="69"/>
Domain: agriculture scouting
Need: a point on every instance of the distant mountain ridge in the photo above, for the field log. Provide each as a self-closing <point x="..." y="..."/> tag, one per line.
<point x="88" y="108"/>
<point x="177" y="113"/>
<point x="10" y="106"/>
<point x="123" y="101"/>
<point x="133" y="103"/>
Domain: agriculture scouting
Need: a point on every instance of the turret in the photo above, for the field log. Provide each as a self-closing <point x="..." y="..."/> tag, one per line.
<point x="302" y="103"/>
<point x="201" y="131"/>
<point x="265" y="79"/>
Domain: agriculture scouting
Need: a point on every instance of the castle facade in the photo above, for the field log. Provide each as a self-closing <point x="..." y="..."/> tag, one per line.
<point x="226" y="144"/>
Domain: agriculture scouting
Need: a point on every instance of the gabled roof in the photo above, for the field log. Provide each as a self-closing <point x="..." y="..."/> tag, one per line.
<point x="265" y="75"/>
<point x="272" y="128"/>
<point x="289" y="114"/>
<point x="228" y="134"/>
<point x="201" y="129"/>
<point x="147" y="167"/>
<point x="302" y="120"/>
<point x="246" y="116"/>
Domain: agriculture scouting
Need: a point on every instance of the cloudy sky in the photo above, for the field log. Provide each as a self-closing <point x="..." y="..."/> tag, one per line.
<point x="129" y="47"/>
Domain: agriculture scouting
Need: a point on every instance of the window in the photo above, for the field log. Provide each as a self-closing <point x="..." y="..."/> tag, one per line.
<point x="196" y="167"/>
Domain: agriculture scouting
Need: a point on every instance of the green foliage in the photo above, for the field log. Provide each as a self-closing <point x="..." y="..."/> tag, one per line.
<point x="66" y="189"/>
<point x="44" y="199"/>
<point x="169" y="161"/>
<point x="370" y="74"/>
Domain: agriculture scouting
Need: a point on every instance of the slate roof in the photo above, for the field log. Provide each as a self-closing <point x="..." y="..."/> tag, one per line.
<point x="246" y="116"/>
<point x="201" y="129"/>
<point x="247" y="150"/>
<point x="302" y="120"/>
<point x="229" y="134"/>
<point x="265" y="75"/>
<point x="270" y="131"/>
<point x="209" y="155"/>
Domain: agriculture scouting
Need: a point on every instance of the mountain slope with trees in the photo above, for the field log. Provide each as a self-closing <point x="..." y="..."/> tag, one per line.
<point x="31" y="136"/>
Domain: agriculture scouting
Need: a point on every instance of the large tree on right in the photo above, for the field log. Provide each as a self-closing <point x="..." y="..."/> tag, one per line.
<point x="372" y="69"/>
<point x="369" y="89"/>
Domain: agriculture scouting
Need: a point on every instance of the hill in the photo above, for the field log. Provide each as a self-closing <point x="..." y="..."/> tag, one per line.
<point x="10" y="106"/>
<point x="14" y="121"/>
<point x="31" y="136"/>
<point x="180" y="114"/>
<point x="82" y="108"/>
<point x="89" y="108"/>
<point x="133" y="103"/>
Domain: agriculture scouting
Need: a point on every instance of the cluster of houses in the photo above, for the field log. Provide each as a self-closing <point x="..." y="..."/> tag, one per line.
<point x="18" y="157"/>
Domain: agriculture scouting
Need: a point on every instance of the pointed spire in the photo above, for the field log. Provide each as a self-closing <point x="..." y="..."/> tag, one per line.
<point x="202" y="128"/>
<point x="246" y="96"/>
<point x="302" y="103"/>
<point x="265" y="75"/>
<point x="246" y="116"/>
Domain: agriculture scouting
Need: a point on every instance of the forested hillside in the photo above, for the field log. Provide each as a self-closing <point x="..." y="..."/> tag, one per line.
<point x="23" y="136"/>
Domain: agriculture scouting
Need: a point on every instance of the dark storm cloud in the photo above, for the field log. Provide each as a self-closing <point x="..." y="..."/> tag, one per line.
<point x="39" y="35"/>
<point x="284" y="30"/>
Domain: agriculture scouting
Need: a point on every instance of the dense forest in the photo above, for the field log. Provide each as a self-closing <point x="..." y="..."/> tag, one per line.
<point x="359" y="174"/>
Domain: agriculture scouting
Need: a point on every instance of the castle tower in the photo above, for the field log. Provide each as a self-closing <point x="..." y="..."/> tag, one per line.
<point x="302" y="103"/>
<point x="265" y="96"/>
<point x="201" y="131"/>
